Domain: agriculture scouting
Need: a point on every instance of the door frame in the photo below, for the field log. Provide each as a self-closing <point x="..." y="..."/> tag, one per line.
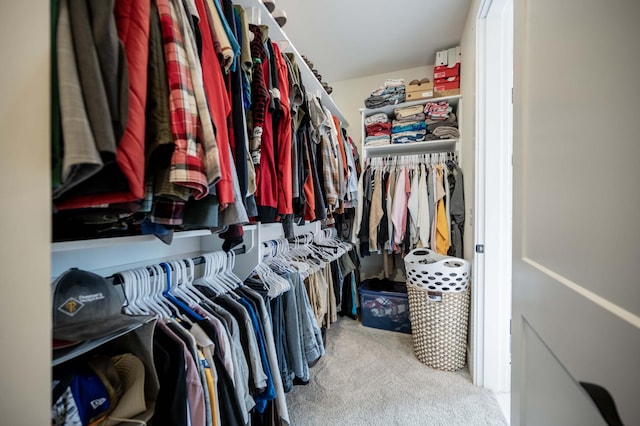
<point x="493" y="202"/>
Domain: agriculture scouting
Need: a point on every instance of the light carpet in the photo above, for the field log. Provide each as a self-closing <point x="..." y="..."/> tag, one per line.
<point x="372" y="377"/>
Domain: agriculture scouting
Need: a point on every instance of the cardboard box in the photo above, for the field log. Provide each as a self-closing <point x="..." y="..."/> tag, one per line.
<point x="446" y="71"/>
<point x="452" y="57"/>
<point x="446" y="86"/>
<point x="450" y="92"/>
<point x="442" y="58"/>
<point x="420" y="87"/>
<point x="440" y="81"/>
<point x="414" y="96"/>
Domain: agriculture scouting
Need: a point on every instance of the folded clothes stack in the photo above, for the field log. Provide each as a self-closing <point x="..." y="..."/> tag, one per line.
<point x="377" y="129"/>
<point x="391" y="93"/>
<point x="409" y="125"/>
<point x="441" y="120"/>
<point x="437" y="110"/>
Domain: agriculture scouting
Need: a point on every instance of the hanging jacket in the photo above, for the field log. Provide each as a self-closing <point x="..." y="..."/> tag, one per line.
<point x="132" y="22"/>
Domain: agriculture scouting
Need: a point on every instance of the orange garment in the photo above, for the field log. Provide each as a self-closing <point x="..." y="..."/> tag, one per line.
<point x="443" y="240"/>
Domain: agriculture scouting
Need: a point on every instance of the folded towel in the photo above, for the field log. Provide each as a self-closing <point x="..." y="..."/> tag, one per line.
<point x="377" y="140"/>
<point x="378" y="128"/>
<point x="375" y="101"/>
<point x="437" y="109"/>
<point x="446" y="132"/>
<point x="394" y="82"/>
<point x="411" y="110"/>
<point x="448" y="120"/>
<point x="379" y="117"/>
<point x="415" y="117"/>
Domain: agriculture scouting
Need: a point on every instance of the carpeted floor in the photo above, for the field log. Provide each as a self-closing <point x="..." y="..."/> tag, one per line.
<point x="371" y="377"/>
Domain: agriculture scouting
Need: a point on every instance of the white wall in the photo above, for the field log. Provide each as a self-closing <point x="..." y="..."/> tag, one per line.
<point x="468" y="121"/>
<point x="25" y="321"/>
<point x="468" y="148"/>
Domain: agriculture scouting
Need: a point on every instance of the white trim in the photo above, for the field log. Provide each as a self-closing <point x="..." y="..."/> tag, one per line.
<point x="492" y="270"/>
<point x="616" y="310"/>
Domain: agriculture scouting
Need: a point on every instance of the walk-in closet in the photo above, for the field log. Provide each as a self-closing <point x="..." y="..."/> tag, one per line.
<point x="252" y="212"/>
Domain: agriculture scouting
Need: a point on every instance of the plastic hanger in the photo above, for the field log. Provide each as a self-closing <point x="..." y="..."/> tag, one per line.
<point x="221" y="272"/>
<point x="173" y="299"/>
<point x="129" y="287"/>
<point x="206" y="280"/>
<point x="178" y="287"/>
<point x="189" y="278"/>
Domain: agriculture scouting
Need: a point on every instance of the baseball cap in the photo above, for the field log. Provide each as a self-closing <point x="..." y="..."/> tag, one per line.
<point x="79" y="398"/>
<point x="86" y="306"/>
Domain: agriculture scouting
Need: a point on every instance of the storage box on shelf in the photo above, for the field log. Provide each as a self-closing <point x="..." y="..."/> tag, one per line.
<point x="384" y="304"/>
<point x="429" y="146"/>
<point x="446" y="73"/>
<point x="419" y="90"/>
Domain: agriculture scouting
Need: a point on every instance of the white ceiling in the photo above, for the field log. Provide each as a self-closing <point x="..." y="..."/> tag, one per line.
<point x="348" y="39"/>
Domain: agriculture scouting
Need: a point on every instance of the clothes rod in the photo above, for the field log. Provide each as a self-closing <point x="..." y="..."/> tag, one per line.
<point x="198" y="260"/>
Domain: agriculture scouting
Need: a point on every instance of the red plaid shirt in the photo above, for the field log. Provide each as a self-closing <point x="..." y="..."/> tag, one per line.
<point x="187" y="168"/>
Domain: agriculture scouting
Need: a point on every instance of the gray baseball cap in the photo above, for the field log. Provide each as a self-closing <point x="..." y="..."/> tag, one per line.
<point x="86" y="306"/>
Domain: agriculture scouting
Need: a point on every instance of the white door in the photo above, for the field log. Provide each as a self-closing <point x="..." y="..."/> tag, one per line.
<point x="576" y="257"/>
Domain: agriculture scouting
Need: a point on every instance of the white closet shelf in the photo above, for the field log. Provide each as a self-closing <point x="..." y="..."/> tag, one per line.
<point x="424" y="147"/>
<point x="388" y="109"/>
<point x="277" y="34"/>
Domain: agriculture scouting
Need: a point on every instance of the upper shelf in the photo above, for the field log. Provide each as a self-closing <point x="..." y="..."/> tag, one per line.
<point x="423" y="147"/>
<point x="388" y="109"/>
<point x="277" y="34"/>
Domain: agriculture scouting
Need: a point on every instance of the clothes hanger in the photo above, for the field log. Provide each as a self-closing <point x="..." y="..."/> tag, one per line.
<point x="206" y="280"/>
<point x="188" y="285"/>
<point x="222" y="276"/>
<point x="181" y="285"/>
<point x="173" y="299"/>
<point x="129" y="287"/>
<point x="156" y="288"/>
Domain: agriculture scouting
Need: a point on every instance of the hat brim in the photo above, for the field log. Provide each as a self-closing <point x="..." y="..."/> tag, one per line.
<point x="82" y="332"/>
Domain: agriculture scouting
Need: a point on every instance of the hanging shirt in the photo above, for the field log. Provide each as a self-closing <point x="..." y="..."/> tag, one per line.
<point x="424" y="220"/>
<point x="376" y="211"/>
<point x="205" y="134"/>
<point x="412" y="206"/>
<point x="217" y="102"/>
<point x="187" y="167"/>
<point x="284" y="139"/>
<point x="442" y="240"/>
<point x="399" y="209"/>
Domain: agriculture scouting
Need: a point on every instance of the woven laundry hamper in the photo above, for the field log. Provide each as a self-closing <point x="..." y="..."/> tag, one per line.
<point x="439" y="298"/>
